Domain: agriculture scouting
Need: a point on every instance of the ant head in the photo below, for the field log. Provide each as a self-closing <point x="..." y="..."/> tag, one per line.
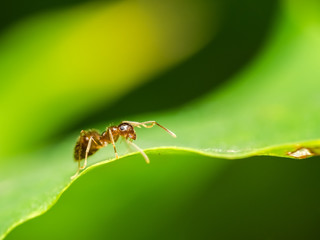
<point x="126" y="130"/>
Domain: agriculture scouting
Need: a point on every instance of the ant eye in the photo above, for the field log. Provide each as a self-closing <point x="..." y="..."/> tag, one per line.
<point x="123" y="127"/>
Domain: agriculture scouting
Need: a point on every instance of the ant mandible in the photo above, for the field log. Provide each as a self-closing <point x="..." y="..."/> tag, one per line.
<point x="91" y="141"/>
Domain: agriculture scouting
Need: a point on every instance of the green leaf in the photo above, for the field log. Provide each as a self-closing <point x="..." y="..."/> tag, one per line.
<point x="267" y="109"/>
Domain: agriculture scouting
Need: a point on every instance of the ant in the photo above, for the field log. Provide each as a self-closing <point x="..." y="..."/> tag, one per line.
<point x="91" y="141"/>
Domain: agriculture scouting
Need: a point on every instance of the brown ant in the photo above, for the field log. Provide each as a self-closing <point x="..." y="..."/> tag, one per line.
<point x="91" y="141"/>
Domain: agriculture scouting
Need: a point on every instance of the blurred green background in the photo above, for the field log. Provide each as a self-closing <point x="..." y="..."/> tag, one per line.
<point x="72" y="65"/>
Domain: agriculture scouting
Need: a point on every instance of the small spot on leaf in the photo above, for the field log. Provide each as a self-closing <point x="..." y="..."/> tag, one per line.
<point x="301" y="153"/>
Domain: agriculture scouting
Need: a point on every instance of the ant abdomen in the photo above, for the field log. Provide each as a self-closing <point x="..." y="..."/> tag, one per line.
<point x="82" y="144"/>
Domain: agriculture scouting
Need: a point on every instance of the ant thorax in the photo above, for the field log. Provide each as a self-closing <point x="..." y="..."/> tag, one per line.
<point x="112" y="133"/>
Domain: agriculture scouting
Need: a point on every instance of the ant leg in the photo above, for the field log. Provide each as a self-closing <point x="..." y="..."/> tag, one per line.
<point x="140" y="150"/>
<point x="87" y="151"/>
<point x="114" y="146"/>
<point x="128" y="146"/>
<point x="77" y="171"/>
<point x="152" y="123"/>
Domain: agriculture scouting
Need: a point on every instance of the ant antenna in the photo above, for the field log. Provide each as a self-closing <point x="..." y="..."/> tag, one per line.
<point x="152" y="123"/>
